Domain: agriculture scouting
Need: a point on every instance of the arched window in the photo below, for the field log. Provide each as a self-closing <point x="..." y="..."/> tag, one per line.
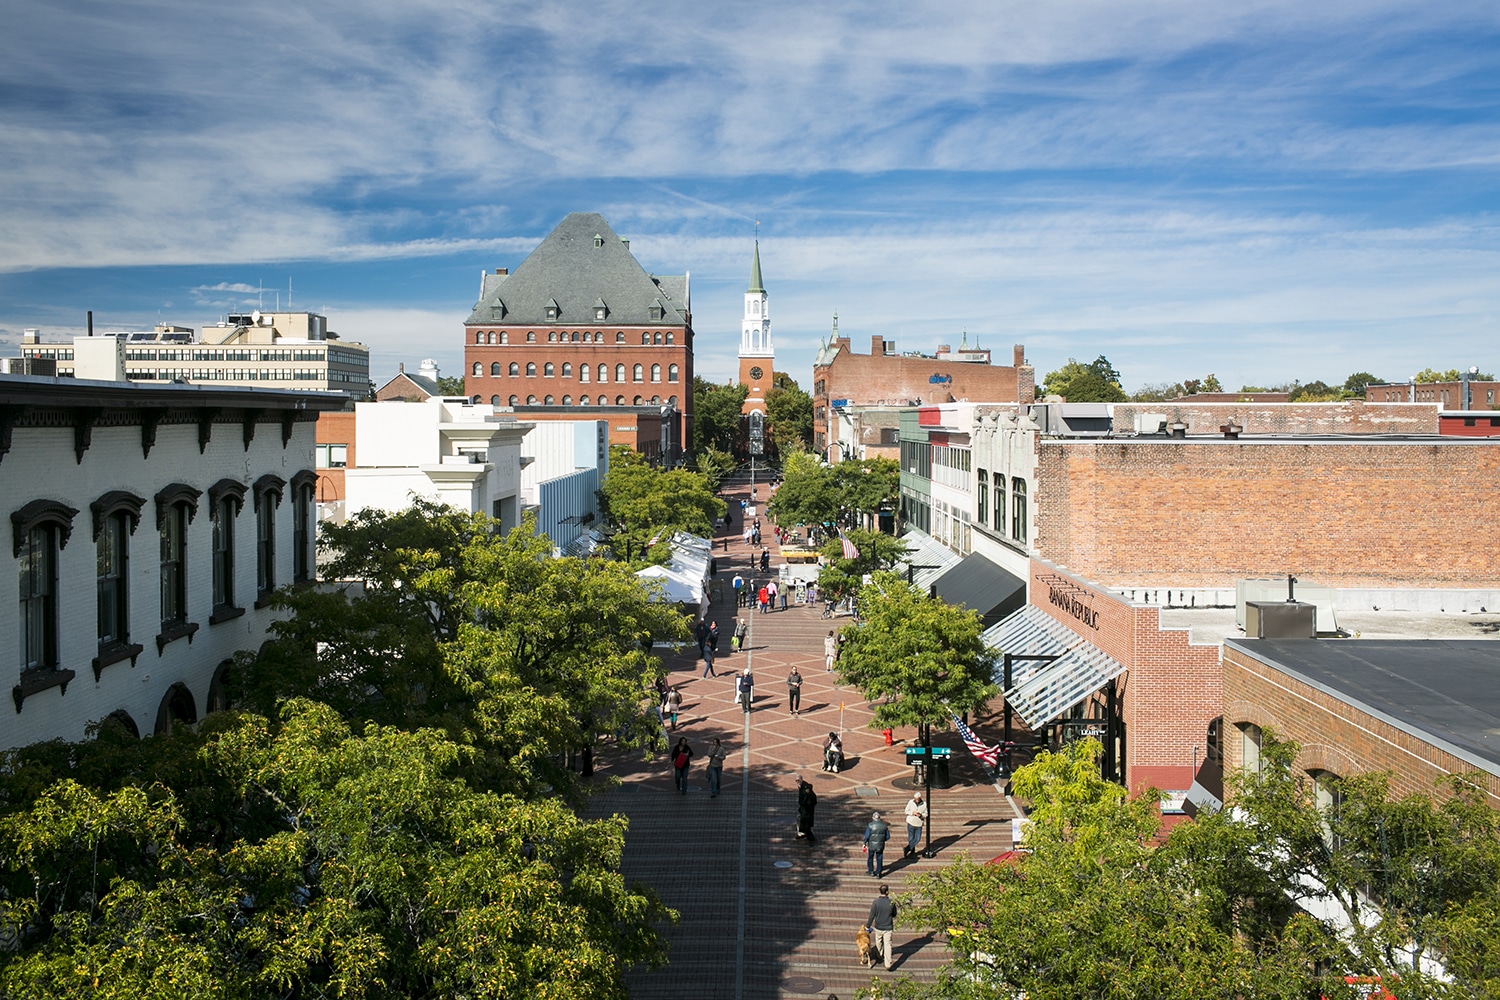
<point x="1328" y="798"/>
<point x="495" y="369"/>
<point x="515" y="369"/>
<point x="583" y="401"/>
<point x="1250" y="739"/>
<point x="598" y="338"/>
<point x="645" y="338"/>
<point x="567" y="400"/>
<point x="531" y="336"/>
<point x="573" y="338"/>
<point x="619" y="373"/>
<point x="547" y="370"/>
<point x="656" y="338"/>
<point x="672" y="373"/>
<point x="547" y="401"/>
<point x="530" y="400"/>
<point x="531" y="369"/>
<point x="656" y="373"/>
<point x="655" y="400"/>
<point x="639" y="372"/>
<point x="489" y="338"/>
<point x="567" y="370"/>
<point x="637" y="401"/>
<point x="583" y="373"/>
<point x="619" y="400"/>
<point x="478" y="369"/>
<point x="671" y="338"/>
<point x="672" y="400"/>
<point x="479" y="337"/>
<point x="494" y="400"/>
<point x="551" y="338"/>
<point x="620" y="337"/>
<point x="504" y="338"/>
<point x="515" y="400"/>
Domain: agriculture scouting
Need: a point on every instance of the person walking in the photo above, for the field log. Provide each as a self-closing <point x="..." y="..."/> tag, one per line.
<point x="794" y="692"/>
<point x="877" y="832"/>
<point x="747" y="686"/>
<point x="739" y="589"/>
<point x="830" y="650"/>
<point x="702" y="632"/>
<point x="713" y="637"/>
<point x="682" y="756"/>
<point x="765" y="560"/>
<point x="716" y="755"/>
<point x="916" y="816"/>
<point x="783" y="599"/>
<point x="771" y="590"/>
<point x="737" y="641"/>
<point x="882" y="921"/>
<point x="807" y="804"/>
<point x="708" y="661"/>
<point x="763" y="598"/>
<point x="661" y="700"/>
<point x="674" y="704"/>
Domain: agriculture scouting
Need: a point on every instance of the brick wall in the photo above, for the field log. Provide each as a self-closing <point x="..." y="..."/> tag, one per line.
<point x="335" y="428"/>
<point x="1204" y="513"/>
<point x="1334" y="735"/>
<point x="1351" y="417"/>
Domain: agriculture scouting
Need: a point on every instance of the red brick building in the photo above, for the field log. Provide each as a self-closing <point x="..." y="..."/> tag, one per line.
<point x="1463" y="395"/>
<point x="1200" y="416"/>
<point x="842" y="378"/>
<point x="1420" y="709"/>
<point x="582" y="330"/>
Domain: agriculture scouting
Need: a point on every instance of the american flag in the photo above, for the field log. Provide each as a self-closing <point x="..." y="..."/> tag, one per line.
<point x="851" y="551"/>
<point x="986" y="754"/>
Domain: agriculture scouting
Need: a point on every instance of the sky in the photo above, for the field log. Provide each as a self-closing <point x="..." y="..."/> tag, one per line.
<point x="1265" y="190"/>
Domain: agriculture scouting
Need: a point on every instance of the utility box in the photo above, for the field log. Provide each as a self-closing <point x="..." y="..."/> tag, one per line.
<point x="1280" y="620"/>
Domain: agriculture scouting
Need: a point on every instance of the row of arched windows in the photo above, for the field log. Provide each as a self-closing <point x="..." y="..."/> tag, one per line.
<point x="582" y="401"/>
<point x="574" y="337"/>
<point x="597" y="373"/>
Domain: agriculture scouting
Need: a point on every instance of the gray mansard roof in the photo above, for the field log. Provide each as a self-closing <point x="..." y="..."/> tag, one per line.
<point x="579" y="264"/>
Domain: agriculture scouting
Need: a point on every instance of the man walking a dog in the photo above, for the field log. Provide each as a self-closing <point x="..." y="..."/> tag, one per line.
<point x="882" y="921"/>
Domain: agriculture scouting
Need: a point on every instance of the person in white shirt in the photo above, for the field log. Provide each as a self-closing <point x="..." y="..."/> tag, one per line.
<point x="916" y="815"/>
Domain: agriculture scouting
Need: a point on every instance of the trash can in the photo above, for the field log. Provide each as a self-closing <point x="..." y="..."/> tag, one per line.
<point x="940" y="777"/>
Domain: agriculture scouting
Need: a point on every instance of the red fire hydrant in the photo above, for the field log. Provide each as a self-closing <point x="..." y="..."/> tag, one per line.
<point x="889" y="739"/>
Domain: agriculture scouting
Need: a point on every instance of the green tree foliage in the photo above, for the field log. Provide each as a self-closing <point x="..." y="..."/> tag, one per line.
<point x="814" y="493"/>
<point x="840" y="577"/>
<point x="1106" y="906"/>
<point x="1451" y="375"/>
<point x="443" y="621"/>
<point x="866" y="486"/>
<point x="790" y="412"/>
<point x="450" y="385"/>
<point x="645" y="506"/>
<point x="1355" y="384"/>
<point x="919" y="659"/>
<point x="248" y="859"/>
<point x="716" y="414"/>
<point x="1095" y="382"/>
<point x="713" y="465"/>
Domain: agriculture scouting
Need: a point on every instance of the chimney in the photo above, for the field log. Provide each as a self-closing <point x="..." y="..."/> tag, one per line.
<point x="1018" y="355"/>
<point x="877" y="345"/>
<point x="944" y="349"/>
<point x="502" y="270"/>
<point x="401" y="367"/>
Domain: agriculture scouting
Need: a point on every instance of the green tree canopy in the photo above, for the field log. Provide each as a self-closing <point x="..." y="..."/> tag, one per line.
<point x="247" y="859"/>
<point x="840" y="577"/>
<point x="450" y="385"/>
<point x="806" y="494"/>
<point x="1451" y="375"/>
<point x="1095" y="382"/>
<point x="716" y="414"/>
<point x="918" y="658"/>
<point x="1356" y="384"/>
<point x="646" y="506"/>
<point x="791" y="415"/>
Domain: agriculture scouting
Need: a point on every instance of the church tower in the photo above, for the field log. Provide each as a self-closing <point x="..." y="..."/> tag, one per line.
<point x="756" y="354"/>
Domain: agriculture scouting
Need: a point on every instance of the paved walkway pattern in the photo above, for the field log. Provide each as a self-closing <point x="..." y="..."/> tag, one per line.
<point x="763" y="914"/>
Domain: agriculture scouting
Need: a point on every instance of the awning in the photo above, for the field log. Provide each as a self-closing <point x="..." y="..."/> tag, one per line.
<point x="981" y="585"/>
<point x="1041" y="690"/>
<point x="926" y="559"/>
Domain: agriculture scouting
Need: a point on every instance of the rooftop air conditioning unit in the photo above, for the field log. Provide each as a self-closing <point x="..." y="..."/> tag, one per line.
<point x="1150" y="423"/>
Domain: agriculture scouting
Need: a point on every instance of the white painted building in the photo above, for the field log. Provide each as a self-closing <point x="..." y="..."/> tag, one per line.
<point x="563" y="463"/>
<point x="149" y="526"/>
<point x="444" y="449"/>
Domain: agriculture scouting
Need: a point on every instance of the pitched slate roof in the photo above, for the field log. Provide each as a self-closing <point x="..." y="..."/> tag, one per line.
<point x="581" y="262"/>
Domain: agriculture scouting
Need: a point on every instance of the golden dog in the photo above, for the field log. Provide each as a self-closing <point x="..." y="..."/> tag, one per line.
<point x="862" y="942"/>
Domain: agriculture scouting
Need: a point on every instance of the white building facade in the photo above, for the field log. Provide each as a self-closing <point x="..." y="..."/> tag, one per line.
<point x="563" y="463"/>
<point x="149" y="527"/>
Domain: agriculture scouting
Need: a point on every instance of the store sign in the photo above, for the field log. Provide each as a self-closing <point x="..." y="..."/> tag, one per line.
<point x="1066" y="596"/>
<point x="940" y="379"/>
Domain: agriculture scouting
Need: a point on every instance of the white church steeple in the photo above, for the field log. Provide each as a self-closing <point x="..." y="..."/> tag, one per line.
<point x="755" y="333"/>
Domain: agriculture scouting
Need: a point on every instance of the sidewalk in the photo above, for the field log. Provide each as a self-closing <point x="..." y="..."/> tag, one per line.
<point x="764" y="915"/>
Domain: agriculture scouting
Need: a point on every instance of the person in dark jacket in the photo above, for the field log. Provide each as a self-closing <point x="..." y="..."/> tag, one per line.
<point x="877" y="832"/>
<point x="807" y="804"/>
<point x="882" y="921"/>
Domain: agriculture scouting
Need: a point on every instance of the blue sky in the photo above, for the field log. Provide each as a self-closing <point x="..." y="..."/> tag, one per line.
<point x="1262" y="190"/>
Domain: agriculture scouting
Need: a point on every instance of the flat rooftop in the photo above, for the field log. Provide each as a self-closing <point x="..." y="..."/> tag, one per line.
<point x="1211" y="626"/>
<point x="1443" y="691"/>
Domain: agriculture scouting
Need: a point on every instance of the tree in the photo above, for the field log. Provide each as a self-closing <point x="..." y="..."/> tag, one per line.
<point x="920" y="659"/>
<point x="647" y="506"/>
<point x="1355" y="384"/>
<point x="716" y="414"/>
<point x="806" y="494"/>
<point x="867" y="486"/>
<point x="1316" y="391"/>
<point x="790" y="412"/>
<point x="248" y="858"/>
<point x="1095" y="382"/>
<point x="450" y="385"/>
<point x="1451" y="375"/>
<point x="840" y="577"/>
<point x="713" y="465"/>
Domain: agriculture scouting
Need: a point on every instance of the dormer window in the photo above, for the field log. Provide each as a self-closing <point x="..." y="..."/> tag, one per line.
<point x="552" y="309"/>
<point x="497" y="310"/>
<point x="598" y="240"/>
<point x="657" y="309"/>
<point x="601" y="311"/>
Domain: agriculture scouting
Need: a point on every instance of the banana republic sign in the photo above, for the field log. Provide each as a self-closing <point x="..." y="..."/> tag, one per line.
<point x="1070" y="597"/>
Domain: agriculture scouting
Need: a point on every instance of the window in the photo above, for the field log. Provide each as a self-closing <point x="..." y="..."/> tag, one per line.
<point x="671" y="338"/>
<point x="530" y="400"/>
<point x="514" y="400"/>
<point x="983" y="509"/>
<point x="582" y="400"/>
<point x="332" y="456"/>
<point x="1328" y="798"/>
<point x="547" y="401"/>
<point x="479" y="338"/>
<point x="1250" y="740"/>
<point x="619" y="400"/>
<point x="619" y="373"/>
<point x="267" y="499"/>
<point x="583" y="373"/>
<point x="530" y="337"/>
<point x="672" y="400"/>
<point x="494" y="369"/>
<point x="514" y="370"/>
<point x="599" y="313"/>
<point x="672" y="373"/>
<point x="656" y="338"/>
<point x="637" y="401"/>
<point x="504" y="337"/>
<point x="547" y="370"/>
<point x="656" y="373"/>
<point x="223" y="513"/>
<point x="478" y="369"/>
<point x="1018" y="509"/>
<point x="551" y="337"/>
<point x="639" y="371"/>
<point x="999" y="481"/>
<point x="603" y="372"/>
<point x="303" y="486"/>
<point x="567" y="371"/>
<point x="39" y="546"/>
<point x="531" y="369"/>
<point x="620" y="337"/>
<point x="645" y="338"/>
<point x="567" y="401"/>
<point x="111" y="578"/>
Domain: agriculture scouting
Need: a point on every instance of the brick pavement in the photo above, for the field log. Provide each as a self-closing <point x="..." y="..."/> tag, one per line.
<point x="764" y="915"/>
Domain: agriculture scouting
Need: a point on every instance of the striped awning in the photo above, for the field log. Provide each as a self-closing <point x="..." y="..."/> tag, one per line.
<point x="1042" y="690"/>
